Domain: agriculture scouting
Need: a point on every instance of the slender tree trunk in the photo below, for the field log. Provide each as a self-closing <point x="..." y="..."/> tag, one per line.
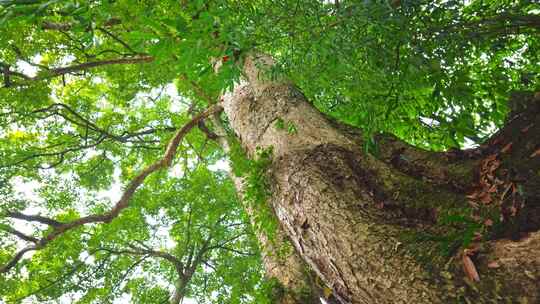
<point x="179" y="291"/>
<point x="371" y="227"/>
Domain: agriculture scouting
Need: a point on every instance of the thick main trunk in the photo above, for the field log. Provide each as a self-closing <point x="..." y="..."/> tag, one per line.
<point x="350" y="215"/>
<point x="297" y="284"/>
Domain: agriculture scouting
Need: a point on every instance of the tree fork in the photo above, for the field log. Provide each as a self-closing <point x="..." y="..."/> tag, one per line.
<point x="346" y="212"/>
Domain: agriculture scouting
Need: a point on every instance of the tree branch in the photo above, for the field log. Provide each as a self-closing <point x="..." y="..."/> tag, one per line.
<point x="59" y="154"/>
<point x="21" y="235"/>
<point x="123" y="138"/>
<point x="33" y="218"/>
<point x="115" y="38"/>
<point x="164" y="162"/>
<point x="93" y="64"/>
<point x="53" y="72"/>
<point x="18" y="256"/>
<point x="149" y="252"/>
<point x="66" y="26"/>
<point x="78" y="120"/>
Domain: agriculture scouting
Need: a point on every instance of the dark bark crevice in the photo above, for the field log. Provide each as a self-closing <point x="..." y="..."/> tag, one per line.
<point x="331" y="213"/>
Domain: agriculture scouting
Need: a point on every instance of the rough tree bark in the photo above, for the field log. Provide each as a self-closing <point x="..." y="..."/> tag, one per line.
<point x="298" y="283"/>
<point x="370" y="226"/>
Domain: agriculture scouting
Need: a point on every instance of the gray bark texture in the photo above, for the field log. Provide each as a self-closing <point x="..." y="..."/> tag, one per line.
<point x="356" y="219"/>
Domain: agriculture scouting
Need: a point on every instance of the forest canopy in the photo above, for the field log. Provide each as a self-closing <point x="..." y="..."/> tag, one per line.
<point x="114" y="186"/>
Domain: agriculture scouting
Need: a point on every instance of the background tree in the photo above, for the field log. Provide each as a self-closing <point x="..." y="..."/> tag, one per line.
<point x="81" y="103"/>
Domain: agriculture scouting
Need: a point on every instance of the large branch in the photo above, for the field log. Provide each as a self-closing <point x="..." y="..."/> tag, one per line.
<point x="66" y="26"/>
<point x="33" y="218"/>
<point x="81" y="121"/>
<point x="93" y="64"/>
<point x="21" y="235"/>
<point x="53" y="72"/>
<point x="149" y="252"/>
<point x="123" y="202"/>
<point x="134" y="138"/>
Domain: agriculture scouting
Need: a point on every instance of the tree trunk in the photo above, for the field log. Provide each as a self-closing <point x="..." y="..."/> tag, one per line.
<point x="179" y="291"/>
<point x="374" y="227"/>
<point x="297" y="284"/>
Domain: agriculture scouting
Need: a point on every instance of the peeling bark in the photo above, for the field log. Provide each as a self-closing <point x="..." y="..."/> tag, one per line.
<point x="347" y="213"/>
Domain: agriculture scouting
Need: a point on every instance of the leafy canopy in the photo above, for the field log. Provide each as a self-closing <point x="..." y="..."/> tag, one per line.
<point x="93" y="91"/>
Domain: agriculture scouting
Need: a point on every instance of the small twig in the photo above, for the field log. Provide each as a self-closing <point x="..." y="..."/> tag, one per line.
<point x="114" y="37"/>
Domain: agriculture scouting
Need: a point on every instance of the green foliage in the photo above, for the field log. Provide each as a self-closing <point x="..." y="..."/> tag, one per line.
<point x="177" y="216"/>
<point x="274" y="289"/>
<point x="257" y="193"/>
<point x="256" y="190"/>
<point x="291" y="128"/>
<point x="280" y="124"/>
<point x="76" y="125"/>
<point x="435" y="73"/>
<point x="239" y="161"/>
<point x="461" y="231"/>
